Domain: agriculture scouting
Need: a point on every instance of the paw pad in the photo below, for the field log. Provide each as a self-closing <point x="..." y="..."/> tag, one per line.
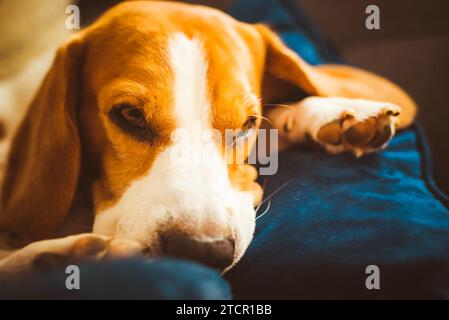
<point x="89" y="247"/>
<point x="362" y="135"/>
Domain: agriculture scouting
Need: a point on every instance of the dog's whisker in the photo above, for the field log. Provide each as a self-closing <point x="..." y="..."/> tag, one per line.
<point x="261" y="117"/>
<point x="80" y="226"/>
<point x="266" y="210"/>
<point x="279" y="105"/>
<point x="264" y="184"/>
<point x="276" y="191"/>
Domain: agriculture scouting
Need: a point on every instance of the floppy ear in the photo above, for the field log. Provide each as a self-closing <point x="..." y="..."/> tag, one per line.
<point x="331" y="80"/>
<point x="44" y="159"/>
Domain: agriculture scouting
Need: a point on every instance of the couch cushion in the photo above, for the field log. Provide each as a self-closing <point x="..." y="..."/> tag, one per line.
<point x="330" y="217"/>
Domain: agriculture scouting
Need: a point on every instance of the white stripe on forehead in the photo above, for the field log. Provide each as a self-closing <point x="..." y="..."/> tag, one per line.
<point x="196" y="197"/>
<point x="190" y="75"/>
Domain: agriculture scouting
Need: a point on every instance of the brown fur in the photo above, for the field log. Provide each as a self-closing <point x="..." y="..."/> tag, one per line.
<point x="120" y="59"/>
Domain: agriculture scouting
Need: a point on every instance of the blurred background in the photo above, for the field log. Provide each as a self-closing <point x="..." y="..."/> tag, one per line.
<point x="411" y="48"/>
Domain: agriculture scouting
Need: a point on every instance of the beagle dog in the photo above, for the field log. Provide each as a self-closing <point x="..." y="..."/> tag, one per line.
<point x="97" y="142"/>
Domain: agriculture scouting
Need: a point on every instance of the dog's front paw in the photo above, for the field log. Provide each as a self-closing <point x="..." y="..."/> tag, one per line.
<point x="79" y="248"/>
<point x="359" y="126"/>
<point x="49" y="254"/>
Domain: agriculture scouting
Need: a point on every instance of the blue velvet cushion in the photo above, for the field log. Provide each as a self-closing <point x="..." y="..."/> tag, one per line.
<point x="336" y="215"/>
<point x="125" y="279"/>
<point x="329" y="218"/>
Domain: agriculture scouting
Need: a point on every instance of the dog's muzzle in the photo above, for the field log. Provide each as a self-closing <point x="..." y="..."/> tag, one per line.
<point x="215" y="253"/>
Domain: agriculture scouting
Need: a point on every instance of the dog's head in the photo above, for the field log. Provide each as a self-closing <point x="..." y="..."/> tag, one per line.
<point x="106" y="118"/>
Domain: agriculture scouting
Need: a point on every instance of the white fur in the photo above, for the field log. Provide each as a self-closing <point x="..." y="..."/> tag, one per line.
<point x="316" y="112"/>
<point x="190" y="88"/>
<point x="195" y="196"/>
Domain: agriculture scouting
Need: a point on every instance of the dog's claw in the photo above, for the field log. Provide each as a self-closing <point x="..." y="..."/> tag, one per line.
<point x="89" y="247"/>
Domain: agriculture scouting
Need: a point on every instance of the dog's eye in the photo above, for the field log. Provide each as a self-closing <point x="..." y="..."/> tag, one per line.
<point x="131" y="119"/>
<point x="247" y="129"/>
<point x="250" y="123"/>
<point x="132" y="115"/>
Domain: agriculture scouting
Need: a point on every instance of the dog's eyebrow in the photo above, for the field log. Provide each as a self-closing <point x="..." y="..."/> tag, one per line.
<point x="248" y="105"/>
<point x="253" y="105"/>
<point x="251" y="99"/>
<point x="123" y="90"/>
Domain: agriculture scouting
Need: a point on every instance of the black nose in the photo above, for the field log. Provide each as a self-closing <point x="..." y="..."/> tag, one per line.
<point x="217" y="254"/>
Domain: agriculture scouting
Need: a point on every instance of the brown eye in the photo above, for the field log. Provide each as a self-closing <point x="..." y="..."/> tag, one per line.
<point x="250" y="123"/>
<point x="133" y="116"/>
<point x="247" y="129"/>
<point x="131" y="119"/>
